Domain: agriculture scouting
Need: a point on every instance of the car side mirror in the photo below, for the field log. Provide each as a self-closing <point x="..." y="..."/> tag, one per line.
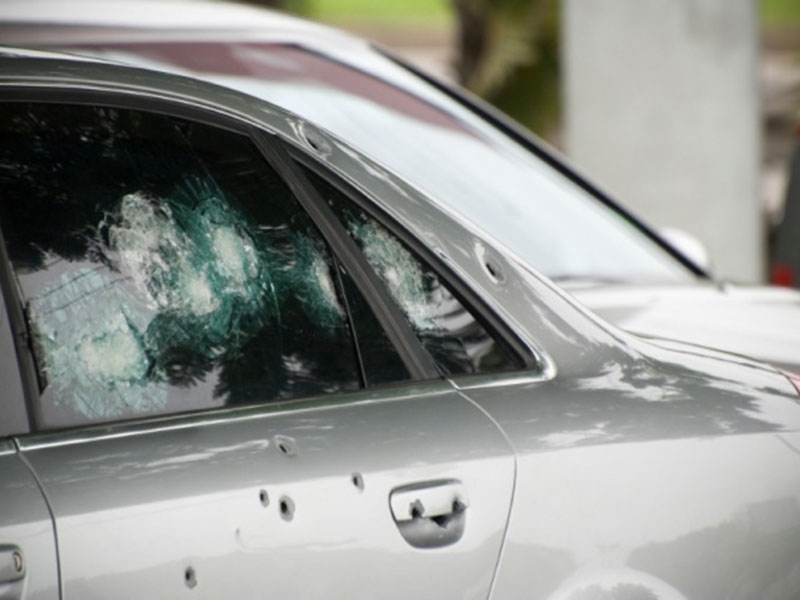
<point x="689" y="246"/>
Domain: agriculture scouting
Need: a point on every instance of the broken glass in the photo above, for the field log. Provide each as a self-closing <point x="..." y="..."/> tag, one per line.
<point x="163" y="266"/>
<point x="458" y="342"/>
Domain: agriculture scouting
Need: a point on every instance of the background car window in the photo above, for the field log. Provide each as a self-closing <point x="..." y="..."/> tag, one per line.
<point x="163" y="266"/>
<point x="455" y="338"/>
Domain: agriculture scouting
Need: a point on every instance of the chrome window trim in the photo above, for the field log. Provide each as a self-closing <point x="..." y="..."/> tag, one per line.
<point x="509" y="379"/>
<point x="239" y="414"/>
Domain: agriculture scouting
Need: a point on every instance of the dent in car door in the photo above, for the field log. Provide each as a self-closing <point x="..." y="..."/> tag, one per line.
<point x="285" y="503"/>
<point x="28" y="562"/>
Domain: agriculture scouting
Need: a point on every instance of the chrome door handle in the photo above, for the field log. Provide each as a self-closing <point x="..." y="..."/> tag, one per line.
<point x="12" y="565"/>
<point x="430" y="514"/>
<point x="12" y="573"/>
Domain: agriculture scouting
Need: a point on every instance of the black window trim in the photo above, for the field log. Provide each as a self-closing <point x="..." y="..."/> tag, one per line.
<point x="26" y="369"/>
<point x="495" y="326"/>
<point x="419" y="363"/>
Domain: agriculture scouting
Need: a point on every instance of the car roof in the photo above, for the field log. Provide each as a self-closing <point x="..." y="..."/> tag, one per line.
<point x="23" y="67"/>
<point x="9" y="53"/>
<point x="134" y="19"/>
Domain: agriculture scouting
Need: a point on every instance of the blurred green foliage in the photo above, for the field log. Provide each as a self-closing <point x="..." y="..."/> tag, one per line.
<point x="506" y="50"/>
<point x="508" y="53"/>
<point x="777" y="13"/>
<point x="381" y="11"/>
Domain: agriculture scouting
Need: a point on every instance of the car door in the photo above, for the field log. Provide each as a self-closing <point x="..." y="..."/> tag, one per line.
<point x="223" y="407"/>
<point x="28" y="559"/>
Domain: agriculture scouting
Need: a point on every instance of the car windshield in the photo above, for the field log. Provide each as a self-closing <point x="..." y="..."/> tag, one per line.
<point x="438" y="145"/>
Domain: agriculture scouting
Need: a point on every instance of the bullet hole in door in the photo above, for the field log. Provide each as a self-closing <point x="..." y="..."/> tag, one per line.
<point x="286" y="445"/>
<point x="263" y="498"/>
<point x="358" y="481"/>
<point x="287" y="508"/>
<point x="190" y="578"/>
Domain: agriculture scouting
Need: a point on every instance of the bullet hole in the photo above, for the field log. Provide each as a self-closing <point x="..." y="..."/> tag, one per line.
<point x="264" y="498"/>
<point x="286" y="508"/>
<point x="285" y="445"/>
<point x="189" y="578"/>
<point x="358" y="481"/>
<point x="494" y="270"/>
<point x="316" y="141"/>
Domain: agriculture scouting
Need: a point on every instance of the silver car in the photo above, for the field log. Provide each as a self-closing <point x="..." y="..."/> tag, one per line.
<point x="243" y="359"/>
<point x="462" y="154"/>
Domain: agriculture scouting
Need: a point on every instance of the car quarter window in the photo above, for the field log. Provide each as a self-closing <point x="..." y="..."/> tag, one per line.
<point x="163" y="266"/>
<point x="456" y="338"/>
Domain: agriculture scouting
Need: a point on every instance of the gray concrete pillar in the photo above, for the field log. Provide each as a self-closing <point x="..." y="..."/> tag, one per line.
<point x="661" y="110"/>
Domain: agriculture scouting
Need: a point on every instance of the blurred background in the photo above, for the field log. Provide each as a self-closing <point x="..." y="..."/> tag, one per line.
<point x="684" y="110"/>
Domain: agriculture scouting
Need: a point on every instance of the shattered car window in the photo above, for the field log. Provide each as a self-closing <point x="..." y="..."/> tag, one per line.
<point x="458" y="342"/>
<point x="163" y="267"/>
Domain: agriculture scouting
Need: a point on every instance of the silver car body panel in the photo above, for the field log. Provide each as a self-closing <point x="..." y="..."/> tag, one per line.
<point x="650" y="478"/>
<point x="762" y="322"/>
<point x="665" y="471"/>
<point x="232" y="505"/>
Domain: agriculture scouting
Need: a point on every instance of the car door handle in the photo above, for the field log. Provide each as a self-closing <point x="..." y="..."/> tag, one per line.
<point x="12" y="572"/>
<point x="430" y="514"/>
<point x="12" y="566"/>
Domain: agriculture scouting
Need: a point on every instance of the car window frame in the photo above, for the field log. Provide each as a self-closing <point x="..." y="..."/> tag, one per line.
<point x="18" y="362"/>
<point x="268" y="143"/>
<point x="286" y="159"/>
<point x="417" y="360"/>
<point x="494" y="325"/>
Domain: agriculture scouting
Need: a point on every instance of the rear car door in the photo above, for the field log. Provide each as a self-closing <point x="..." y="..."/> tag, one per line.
<point x="223" y="408"/>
